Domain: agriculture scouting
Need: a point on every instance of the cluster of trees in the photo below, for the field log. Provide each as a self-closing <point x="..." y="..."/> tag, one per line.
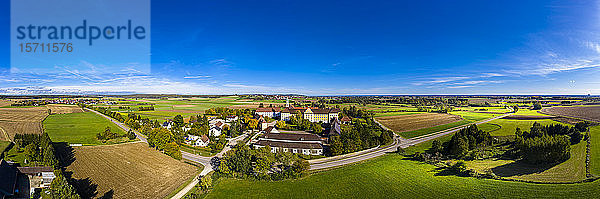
<point x="164" y="140"/>
<point x="60" y="187"/>
<point x="243" y="162"/>
<point x="354" y="112"/>
<point x="462" y="142"/>
<point x="146" y="108"/>
<point x="548" y="144"/>
<point x="38" y="149"/>
<point x="359" y="136"/>
<point x="115" y="115"/>
<point x="107" y="134"/>
<point x="298" y="121"/>
<point x="537" y="106"/>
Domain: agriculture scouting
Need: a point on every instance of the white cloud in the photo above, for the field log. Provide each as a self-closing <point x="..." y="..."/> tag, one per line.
<point x="197" y="77"/>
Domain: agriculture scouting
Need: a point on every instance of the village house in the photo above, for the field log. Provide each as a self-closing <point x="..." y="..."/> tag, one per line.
<point x="231" y="118"/>
<point x="197" y="141"/>
<point x="271" y="112"/>
<point x="304" y="143"/>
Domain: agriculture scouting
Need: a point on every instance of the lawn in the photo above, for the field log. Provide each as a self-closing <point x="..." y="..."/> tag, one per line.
<point x="572" y="170"/>
<point x="78" y="128"/>
<point x="509" y="126"/>
<point x="392" y="176"/>
<point x="595" y="150"/>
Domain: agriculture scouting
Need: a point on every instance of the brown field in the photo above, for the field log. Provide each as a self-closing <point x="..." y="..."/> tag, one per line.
<point x="591" y="113"/>
<point x="403" y="123"/>
<point x="21" y="120"/>
<point x="5" y="103"/>
<point x="131" y="170"/>
<point x="63" y="108"/>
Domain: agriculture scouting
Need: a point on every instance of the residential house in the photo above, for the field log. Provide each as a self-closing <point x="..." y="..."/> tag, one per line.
<point x="271" y="112"/>
<point x="197" y="141"/>
<point x="346" y="120"/>
<point x="232" y="118"/>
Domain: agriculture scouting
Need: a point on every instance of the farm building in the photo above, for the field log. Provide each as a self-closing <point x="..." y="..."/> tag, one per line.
<point x="305" y="143"/>
<point x="39" y="177"/>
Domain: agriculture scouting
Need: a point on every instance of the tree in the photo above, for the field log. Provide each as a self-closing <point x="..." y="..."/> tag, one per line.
<point x="281" y="124"/>
<point x="205" y="182"/>
<point x="252" y="123"/>
<point x="178" y="120"/>
<point x="60" y="188"/>
<point x="537" y="106"/>
<point x="49" y="158"/>
<point x="173" y="150"/>
<point x="515" y="108"/>
<point x="316" y="128"/>
<point x="131" y="135"/>
<point x="437" y="146"/>
<point x="31" y="152"/>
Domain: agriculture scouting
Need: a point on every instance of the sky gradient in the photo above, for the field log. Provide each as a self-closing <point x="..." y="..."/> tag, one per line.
<point x="348" y="48"/>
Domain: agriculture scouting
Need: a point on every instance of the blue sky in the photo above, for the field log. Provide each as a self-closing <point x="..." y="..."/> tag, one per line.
<point x="348" y="48"/>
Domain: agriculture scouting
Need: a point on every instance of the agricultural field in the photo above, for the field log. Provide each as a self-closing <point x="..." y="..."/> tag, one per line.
<point x="79" y="128"/>
<point x="63" y="108"/>
<point x="131" y="170"/>
<point x="405" y="123"/>
<point x="168" y="108"/>
<point x="591" y="113"/>
<point x="418" y="180"/>
<point x="21" y="120"/>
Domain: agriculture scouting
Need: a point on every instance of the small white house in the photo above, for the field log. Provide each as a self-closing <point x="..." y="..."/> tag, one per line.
<point x="197" y="141"/>
<point x="167" y="124"/>
<point x="231" y="118"/>
<point x="215" y="131"/>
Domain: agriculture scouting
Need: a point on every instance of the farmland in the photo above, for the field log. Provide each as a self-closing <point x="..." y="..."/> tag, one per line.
<point x="62" y="108"/>
<point x="78" y="128"/>
<point x="381" y="177"/>
<point x="129" y="170"/>
<point x="403" y="123"/>
<point x="509" y="126"/>
<point x="21" y="120"/>
<point x="591" y="113"/>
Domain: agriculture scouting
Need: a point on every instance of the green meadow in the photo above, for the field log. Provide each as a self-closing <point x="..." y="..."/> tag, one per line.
<point x="78" y="128"/>
<point x="394" y="176"/>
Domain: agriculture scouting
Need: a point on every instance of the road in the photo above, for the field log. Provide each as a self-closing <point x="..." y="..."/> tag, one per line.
<point x="123" y="126"/>
<point x="398" y="142"/>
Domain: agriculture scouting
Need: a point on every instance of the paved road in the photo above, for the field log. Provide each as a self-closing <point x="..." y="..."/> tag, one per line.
<point x="398" y="142"/>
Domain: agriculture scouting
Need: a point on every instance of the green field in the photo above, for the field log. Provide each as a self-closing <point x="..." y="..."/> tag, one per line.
<point x="595" y="150"/>
<point x="78" y="128"/>
<point x="393" y="176"/>
<point x="509" y="126"/>
<point x="4" y="145"/>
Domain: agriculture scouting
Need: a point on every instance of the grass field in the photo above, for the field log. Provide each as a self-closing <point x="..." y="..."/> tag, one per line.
<point x="78" y="128"/>
<point x="595" y="150"/>
<point x="4" y="145"/>
<point x="391" y="176"/>
<point x="572" y="170"/>
<point x="405" y="123"/>
<point x="509" y="126"/>
<point x="131" y="170"/>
